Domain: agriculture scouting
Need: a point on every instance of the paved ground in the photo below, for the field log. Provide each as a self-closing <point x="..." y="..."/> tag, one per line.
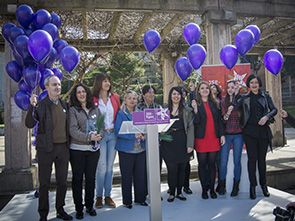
<point x="223" y="208"/>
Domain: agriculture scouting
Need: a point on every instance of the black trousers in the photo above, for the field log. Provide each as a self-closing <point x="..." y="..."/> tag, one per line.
<point x="256" y="152"/>
<point x="84" y="163"/>
<point x="176" y="173"/>
<point x="187" y="175"/>
<point x="132" y="166"/>
<point x="60" y="157"/>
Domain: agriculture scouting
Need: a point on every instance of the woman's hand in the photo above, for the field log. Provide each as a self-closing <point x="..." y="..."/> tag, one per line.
<point x="142" y="137"/>
<point x="33" y="99"/>
<point x="283" y="113"/>
<point x="95" y="137"/>
<point x="263" y="120"/>
<point x="222" y="140"/>
<point x="189" y="150"/>
<point x="195" y="106"/>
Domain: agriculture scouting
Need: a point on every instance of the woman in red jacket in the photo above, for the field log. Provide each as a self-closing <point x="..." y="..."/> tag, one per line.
<point x="108" y="104"/>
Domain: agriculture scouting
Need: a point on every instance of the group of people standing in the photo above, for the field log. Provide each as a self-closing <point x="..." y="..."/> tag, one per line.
<point x="86" y="133"/>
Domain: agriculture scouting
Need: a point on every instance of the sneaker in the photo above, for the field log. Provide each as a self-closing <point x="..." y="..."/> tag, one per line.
<point x="108" y="201"/>
<point x="98" y="203"/>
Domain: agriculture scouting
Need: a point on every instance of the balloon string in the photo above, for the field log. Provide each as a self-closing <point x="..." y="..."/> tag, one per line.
<point x="278" y="93"/>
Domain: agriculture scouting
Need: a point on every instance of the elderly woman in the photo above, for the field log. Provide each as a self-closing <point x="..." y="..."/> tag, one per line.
<point x="258" y="111"/>
<point x="131" y="149"/>
<point x="84" y="153"/>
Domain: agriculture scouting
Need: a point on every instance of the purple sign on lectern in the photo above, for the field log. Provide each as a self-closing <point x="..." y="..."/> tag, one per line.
<point x="151" y="116"/>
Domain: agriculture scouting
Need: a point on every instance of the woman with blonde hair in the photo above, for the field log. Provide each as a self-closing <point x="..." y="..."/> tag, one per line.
<point x="131" y="149"/>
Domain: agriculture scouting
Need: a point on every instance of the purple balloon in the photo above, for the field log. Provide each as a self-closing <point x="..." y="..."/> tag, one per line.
<point x="52" y="30"/>
<point x="15" y="32"/>
<point x="29" y="31"/>
<point x="229" y="56"/>
<point x="6" y="31"/>
<point x="151" y="40"/>
<point x="273" y="60"/>
<point x="41" y="18"/>
<point x="196" y="55"/>
<point x="69" y="58"/>
<point x="50" y="58"/>
<point x="42" y="95"/>
<point x="59" y="45"/>
<point x="244" y="41"/>
<point x="14" y="71"/>
<point x="22" y="86"/>
<point x="40" y="44"/>
<point x="24" y="15"/>
<point x="31" y="76"/>
<point x="183" y="68"/>
<point x="256" y="32"/>
<point x="22" y="100"/>
<point x="55" y="19"/>
<point x="45" y="74"/>
<point x="57" y="72"/>
<point x="21" y="46"/>
<point x="192" y="33"/>
<point x="18" y="58"/>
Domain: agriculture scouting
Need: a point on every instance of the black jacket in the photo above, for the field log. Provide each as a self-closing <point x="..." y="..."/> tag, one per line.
<point x="265" y="100"/>
<point x="42" y="113"/>
<point x="201" y="120"/>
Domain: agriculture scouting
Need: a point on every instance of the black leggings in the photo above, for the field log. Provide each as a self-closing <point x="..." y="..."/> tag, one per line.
<point x="176" y="173"/>
<point x="204" y="160"/>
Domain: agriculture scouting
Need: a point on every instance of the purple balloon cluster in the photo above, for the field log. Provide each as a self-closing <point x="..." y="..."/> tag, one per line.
<point x="195" y="55"/>
<point x="244" y="41"/>
<point x="36" y="47"/>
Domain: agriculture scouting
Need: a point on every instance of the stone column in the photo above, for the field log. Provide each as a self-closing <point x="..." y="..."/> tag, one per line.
<point x="18" y="174"/>
<point x="274" y="88"/>
<point x="170" y="78"/>
<point x="218" y="33"/>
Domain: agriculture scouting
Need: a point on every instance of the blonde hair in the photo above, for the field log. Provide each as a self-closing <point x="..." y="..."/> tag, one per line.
<point x="123" y="106"/>
<point x="211" y="97"/>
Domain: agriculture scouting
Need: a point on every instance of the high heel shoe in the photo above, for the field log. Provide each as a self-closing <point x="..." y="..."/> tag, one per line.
<point x="265" y="191"/>
<point x="205" y="195"/>
<point x="253" y="192"/>
<point x="181" y="197"/>
<point x="171" y="198"/>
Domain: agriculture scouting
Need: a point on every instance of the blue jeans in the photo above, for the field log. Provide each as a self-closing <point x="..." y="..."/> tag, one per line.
<point x="238" y="143"/>
<point x="104" y="171"/>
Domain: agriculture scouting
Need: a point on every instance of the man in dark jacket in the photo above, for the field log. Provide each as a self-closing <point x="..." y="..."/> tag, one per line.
<point x="289" y="118"/>
<point x="52" y="145"/>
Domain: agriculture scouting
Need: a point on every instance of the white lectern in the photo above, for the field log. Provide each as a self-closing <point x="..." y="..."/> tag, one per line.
<point x="153" y="161"/>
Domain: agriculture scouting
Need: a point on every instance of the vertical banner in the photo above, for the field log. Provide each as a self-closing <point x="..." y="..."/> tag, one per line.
<point x="220" y="75"/>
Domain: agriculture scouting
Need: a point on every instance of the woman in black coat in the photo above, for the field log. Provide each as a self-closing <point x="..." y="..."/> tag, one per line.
<point x="258" y="111"/>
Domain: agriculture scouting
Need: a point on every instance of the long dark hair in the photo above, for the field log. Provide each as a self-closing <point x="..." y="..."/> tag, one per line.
<point x="234" y="100"/>
<point x="75" y="102"/>
<point x="100" y="77"/>
<point x="210" y="96"/>
<point x="219" y="91"/>
<point x="170" y="103"/>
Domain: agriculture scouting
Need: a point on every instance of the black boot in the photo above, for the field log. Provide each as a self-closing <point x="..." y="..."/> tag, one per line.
<point x="217" y="188"/>
<point x="235" y="190"/>
<point x="265" y="191"/>
<point x="253" y="192"/>
<point x="222" y="187"/>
